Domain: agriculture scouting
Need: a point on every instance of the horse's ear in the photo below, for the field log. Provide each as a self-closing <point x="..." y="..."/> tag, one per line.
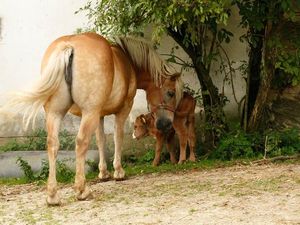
<point x="175" y="76"/>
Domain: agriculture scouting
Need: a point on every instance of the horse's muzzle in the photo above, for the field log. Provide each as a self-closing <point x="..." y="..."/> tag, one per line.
<point x="163" y="124"/>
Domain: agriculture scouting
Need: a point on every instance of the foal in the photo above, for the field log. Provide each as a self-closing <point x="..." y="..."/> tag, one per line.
<point x="144" y="126"/>
<point x="183" y="124"/>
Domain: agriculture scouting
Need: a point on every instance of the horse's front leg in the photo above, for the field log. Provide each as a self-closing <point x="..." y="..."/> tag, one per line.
<point x="120" y="119"/>
<point x="88" y="125"/>
<point x="100" y="138"/>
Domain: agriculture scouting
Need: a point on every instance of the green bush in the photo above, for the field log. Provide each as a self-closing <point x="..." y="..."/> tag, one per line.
<point x="38" y="141"/>
<point x="234" y="146"/>
<point x="238" y="144"/>
<point x="63" y="173"/>
<point x="286" y="142"/>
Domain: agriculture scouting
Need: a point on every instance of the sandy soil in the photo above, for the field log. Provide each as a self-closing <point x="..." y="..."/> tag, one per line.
<point x="265" y="194"/>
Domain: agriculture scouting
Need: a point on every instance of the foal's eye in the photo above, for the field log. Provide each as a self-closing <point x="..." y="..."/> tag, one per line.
<point x="171" y="94"/>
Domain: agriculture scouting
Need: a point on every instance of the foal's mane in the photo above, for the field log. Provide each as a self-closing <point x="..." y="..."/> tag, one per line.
<point x="145" y="57"/>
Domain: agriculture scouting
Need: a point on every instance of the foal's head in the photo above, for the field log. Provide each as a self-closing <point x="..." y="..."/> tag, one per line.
<point x="163" y="101"/>
<point x="140" y="127"/>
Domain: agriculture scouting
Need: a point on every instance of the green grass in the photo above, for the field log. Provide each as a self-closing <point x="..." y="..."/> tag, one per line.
<point x="132" y="170"/>
<point x="143" y="169"/>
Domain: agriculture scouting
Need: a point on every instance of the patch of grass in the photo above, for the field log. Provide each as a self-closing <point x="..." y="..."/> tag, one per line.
<point x="132" y="170"/>
<point x="27" y="217"/>
<point x="253" y="187"/>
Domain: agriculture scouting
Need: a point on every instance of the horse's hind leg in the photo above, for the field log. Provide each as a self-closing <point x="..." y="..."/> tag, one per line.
<point x="55" y="108"/>
<point x="100" y="138"/>
<point x="88" y="125"/>
<point x="53" y="124"/>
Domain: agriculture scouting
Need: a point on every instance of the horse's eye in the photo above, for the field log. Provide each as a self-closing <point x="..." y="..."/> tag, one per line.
<point x="171" y="94"/>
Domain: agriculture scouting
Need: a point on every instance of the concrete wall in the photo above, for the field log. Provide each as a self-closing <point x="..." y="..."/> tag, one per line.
<point x="29" y="26"/>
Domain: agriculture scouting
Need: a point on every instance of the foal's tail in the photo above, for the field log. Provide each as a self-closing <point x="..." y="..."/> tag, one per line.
<point x="30" y="102"/>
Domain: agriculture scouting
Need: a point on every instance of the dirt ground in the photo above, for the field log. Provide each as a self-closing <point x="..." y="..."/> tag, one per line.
<point x="264" y="194"/>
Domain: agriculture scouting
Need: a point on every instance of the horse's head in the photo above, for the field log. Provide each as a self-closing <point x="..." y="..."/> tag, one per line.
<point x="140" y="127"/>
<point x="163" y="101"/>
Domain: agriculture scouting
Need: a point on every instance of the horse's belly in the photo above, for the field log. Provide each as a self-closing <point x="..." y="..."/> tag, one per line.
<point x="112" y="105"/>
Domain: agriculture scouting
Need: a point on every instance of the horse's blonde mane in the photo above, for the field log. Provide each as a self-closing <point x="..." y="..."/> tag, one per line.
<point x="145" y="57"/>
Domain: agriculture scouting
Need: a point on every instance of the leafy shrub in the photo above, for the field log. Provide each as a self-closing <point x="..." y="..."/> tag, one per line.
<point x="24" y="165"/>
<point x="234" y="146"/>
<point x="286" y="142"/>
<point x="63" y="173"/>
<point x="272" y="143"/>
<point x="147" y="157"/>
<point x="38" y="141"/>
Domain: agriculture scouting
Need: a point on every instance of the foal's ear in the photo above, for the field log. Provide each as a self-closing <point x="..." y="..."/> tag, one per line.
<point x="143" y="118"/>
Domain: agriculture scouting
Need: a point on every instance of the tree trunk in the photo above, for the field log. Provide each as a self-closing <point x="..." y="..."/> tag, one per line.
<point x="257" y="115"/>
<point x="253" y="79"/>
<point x="213" y="105"/>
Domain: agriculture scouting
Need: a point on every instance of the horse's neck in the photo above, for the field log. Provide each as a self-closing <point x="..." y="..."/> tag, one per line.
<point x="144" y="80"/>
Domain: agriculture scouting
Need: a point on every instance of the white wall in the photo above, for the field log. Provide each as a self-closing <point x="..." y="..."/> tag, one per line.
<point x="28" y="27"/>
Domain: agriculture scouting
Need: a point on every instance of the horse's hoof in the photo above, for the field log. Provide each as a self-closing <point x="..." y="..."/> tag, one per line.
<point x="119" y="175"/>
<point x="53" y="201"/>
<point x="84" y="195"/>
<point x="104" y="176"/>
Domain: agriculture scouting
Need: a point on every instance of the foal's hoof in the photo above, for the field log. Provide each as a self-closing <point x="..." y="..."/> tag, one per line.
<point x="181" y="161"/>
<point x="53" y="201"/>
<point x="84" y="195"/>
<point x="104" y="176"/>
<point x="119" y="175"/>
<point x="192" y="159"/>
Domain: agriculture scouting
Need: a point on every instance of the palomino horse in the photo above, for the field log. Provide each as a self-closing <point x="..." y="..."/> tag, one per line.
<point x="183" y="122"/>
<point x="91" y="78"/>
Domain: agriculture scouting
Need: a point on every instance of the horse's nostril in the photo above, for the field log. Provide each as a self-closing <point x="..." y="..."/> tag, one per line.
<point x="163" y="125"/>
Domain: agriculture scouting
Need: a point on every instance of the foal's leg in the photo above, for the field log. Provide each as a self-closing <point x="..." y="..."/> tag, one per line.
<point x="100" y="138"/>
<point x="158" y="148"/>
<point x="192" y="137"/>
<point x="181" y="130"/>
<point x="88" y="125"/>
<point x="171" y="148"/>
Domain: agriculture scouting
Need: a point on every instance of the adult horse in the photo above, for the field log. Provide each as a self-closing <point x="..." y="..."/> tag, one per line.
<point x="91" y="78"/>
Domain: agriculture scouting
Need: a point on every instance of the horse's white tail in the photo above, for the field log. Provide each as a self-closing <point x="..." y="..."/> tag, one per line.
<point x="30" y="102"/>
